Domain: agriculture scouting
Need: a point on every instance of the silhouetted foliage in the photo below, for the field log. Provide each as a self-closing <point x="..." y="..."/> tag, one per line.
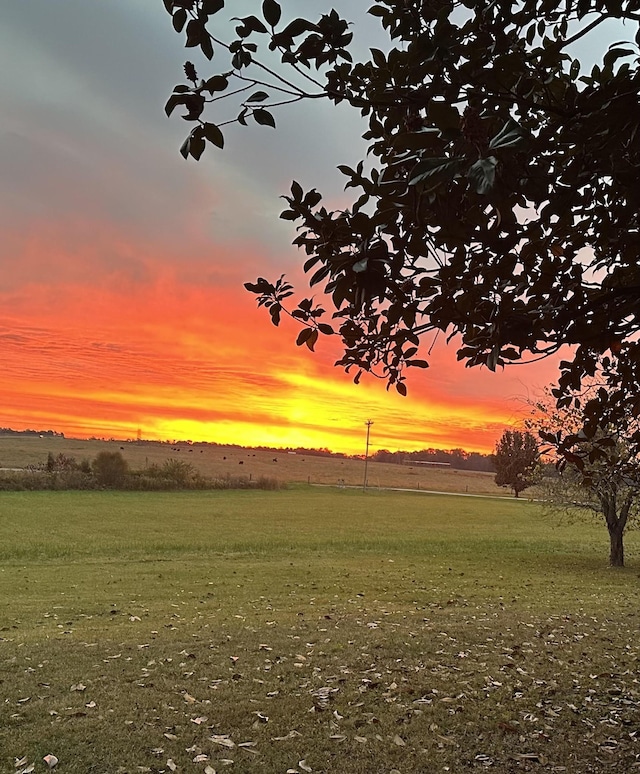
<point x="458" y="459"/>
<point x="598" y="468"/>
<point x="515" y="460"/>
<point x="500" y="200"/>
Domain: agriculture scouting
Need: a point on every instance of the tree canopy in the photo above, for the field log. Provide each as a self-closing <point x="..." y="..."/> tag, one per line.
<point x="499" y="202"/>
<point x="598" y="469"/>
<point x="515" y="460"/>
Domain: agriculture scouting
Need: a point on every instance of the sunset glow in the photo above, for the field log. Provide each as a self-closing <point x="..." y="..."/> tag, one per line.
<point x="121" y="300"/>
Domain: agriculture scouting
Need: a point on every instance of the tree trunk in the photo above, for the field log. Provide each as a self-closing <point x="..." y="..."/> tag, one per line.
<point x="616" y="555"/>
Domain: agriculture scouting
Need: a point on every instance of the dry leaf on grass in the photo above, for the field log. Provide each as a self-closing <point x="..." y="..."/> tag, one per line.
<point x="223" y="740"/>
<point x="171" y="764"/>
<point x="51" y="761"/>
<point x="290" y="735"/>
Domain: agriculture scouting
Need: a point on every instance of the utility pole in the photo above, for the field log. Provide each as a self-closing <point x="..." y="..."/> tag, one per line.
<point x="368" y="423"/>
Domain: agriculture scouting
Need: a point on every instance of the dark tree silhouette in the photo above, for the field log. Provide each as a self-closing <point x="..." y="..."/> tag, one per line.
<point x="499" y="203"/>
<point x="515" y="460"/>
<point x="598" y="468"/>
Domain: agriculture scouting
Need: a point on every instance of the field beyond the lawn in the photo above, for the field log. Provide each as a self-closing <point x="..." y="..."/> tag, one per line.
<point x="312" y="630"/>
<point x="19" y="451"/>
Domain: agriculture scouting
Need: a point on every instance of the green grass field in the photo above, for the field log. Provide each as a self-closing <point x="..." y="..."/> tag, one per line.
<point x="312" y="630"/>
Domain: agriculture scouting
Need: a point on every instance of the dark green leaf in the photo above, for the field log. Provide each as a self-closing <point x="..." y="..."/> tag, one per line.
<point x="206" y="46"/>
<point x="271" y="12"/>
<point x="213" y="134"/>
<point x="297" y="27"/>
<point x="510" y="136"/>
<point x="303" y="336"/>
<point x="482" y="175"/>
<point x="264" y="117"/>
<point x="173" y="101"/>
<point x="216" y="83"/>
<point x="435" y="168"/>
<point x="179" y="19"/>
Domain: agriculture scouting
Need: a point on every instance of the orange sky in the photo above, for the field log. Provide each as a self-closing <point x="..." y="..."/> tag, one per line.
<point x="178" y="359"/>
<point x="121" y="298"/>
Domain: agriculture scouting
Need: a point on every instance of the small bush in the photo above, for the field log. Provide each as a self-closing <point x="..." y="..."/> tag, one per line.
<point x="110" y="469"/>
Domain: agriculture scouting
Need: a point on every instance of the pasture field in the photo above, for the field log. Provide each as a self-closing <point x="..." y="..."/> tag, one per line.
<point x="221" y="461"/>
<point x="312" y="629"/>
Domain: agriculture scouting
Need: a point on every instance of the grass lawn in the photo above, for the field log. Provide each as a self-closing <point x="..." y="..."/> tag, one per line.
<point x="312" y="630"/>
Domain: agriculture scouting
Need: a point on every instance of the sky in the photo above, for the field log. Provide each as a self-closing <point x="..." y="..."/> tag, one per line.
<point x="122" y="306"/>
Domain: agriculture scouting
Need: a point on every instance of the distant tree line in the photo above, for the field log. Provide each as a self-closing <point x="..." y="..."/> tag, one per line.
<point x="48" y="433"/>
<point x="459" y="459"/>
<point x="110" y="470"/>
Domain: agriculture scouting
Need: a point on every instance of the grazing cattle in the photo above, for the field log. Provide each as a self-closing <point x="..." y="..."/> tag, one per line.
<point x="275" y="459"/>
<point x="241" y="462"/>
<point x="224" y="458"/>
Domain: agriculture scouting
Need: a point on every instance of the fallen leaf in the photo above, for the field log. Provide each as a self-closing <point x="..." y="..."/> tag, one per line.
<point x="290" y="735"/>
<point x="303" y="765"/>
<point x="222" y="739"/>
<point x="51" y="761"/>
<point x="399" y="741"/>
<point x="209" y="770"/>
<point x="171" y="764"/>
<point x="78" y="687"/>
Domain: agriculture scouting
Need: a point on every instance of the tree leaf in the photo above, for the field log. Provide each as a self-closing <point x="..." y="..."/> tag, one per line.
<point x="482" y="174"/>
<point x="216" y="83"/>
<point x="264" y="117"/>
<point x="510" y="136"/>
<point x="213" y="134"/>
<point x="271" y="12"/>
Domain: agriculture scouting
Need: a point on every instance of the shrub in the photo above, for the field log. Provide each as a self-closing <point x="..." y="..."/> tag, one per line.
<point x="110" y="468"/>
